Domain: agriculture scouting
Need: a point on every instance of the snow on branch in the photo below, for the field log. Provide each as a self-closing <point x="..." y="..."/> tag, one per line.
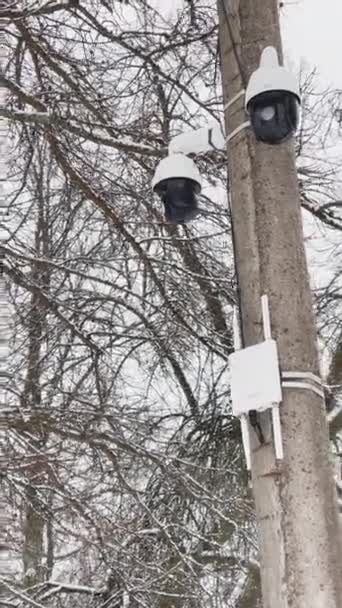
<point x="42" y="118"/>
<point x="60" y="587"/>
<point x="46" y="119"/>
<point x="335" y="412"/>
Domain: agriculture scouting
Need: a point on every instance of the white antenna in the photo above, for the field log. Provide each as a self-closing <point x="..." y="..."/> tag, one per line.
<point x="278" y="440"/>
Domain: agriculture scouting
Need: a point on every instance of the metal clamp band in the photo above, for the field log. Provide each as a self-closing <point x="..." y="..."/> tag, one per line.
<point x="303" y="380"/>
<point x="244" y="125"/>
<point x="234" y="99"/>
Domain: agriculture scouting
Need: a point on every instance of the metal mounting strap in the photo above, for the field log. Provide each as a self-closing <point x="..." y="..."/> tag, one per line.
<point x="236" y="131"/>
<point x="234" y="99"/>
<point x="244" y="124"/>
<point x="303" y="380"/>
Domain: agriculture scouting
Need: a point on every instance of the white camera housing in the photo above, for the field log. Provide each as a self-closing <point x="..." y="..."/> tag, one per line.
<point x="177" y="182"/>
<point x="176" y="166"/>
<point x="272" y="100"/>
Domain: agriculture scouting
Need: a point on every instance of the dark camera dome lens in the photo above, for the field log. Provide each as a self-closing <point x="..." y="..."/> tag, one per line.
<point x="274" y="116"/>
<point x="267" y="113"/>
<point x="180" y="201"/>
<point x="176" y="184"/>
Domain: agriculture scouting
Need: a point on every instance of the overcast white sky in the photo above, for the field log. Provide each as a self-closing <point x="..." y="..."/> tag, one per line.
<point x="312" y="33"/>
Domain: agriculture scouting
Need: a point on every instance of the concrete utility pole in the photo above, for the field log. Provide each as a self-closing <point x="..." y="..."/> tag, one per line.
<point x="300" y="548"/>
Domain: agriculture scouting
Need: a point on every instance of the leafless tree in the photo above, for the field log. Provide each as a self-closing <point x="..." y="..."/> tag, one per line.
<point x="125" y="479"/>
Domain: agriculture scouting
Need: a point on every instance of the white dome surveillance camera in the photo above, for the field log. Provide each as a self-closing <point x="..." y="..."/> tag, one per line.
<point x="272" y="100"/>
<point x="177" y="181"/>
